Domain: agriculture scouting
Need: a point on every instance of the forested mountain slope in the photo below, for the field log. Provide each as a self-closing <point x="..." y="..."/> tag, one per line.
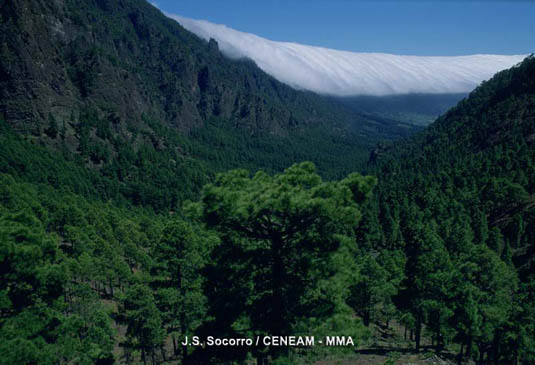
<point x="124" y="90"/>
<point x="458" y="200"/>
<point x="480" y="153"/>
<point x="439" y="245"/>
<point x="111" y="116"/>
<point x="105" y="135"/>
<point x="89" y="279"/>
<point x="125" y="59"/>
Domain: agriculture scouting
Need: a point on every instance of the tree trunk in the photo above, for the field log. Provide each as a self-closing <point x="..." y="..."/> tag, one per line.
<point x="184" y="353"/>
<point x="183" y="331"/>
<point x="162" y="350"/>
<point x="366" y="318"/>
<point x="259" y="360"/>
<point x="128" y="356"/>
<point x="143" y="357"/>
<point x="438" y="336"/>
<point x="182" y="317"/>
<point x="418" y="330"/>
<point x="496" y="346"/>
<point x="175" y="349"/>
<point x="481" y="355"/>
<point x="469" y="345"/>
<point x="277" y="287"/>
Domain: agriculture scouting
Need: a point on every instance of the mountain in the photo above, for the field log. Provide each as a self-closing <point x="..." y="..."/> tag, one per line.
<point x="407" y="89"/>
<point x="415" y="109"/>
<point x="466" y="184"/>
<point x="122" y="232"/>
<point x="131" y="94"/>
<point x="434" y="253"/>
<point x="125" y="60"/>
<point x="479" y="154"/>
<point x="342" y="73"/>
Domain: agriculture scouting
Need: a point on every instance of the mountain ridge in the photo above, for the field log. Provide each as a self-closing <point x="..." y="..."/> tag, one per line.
<point x="136" y="62"/>
<point x="344" y="73"/>
<point x="112" y="83"/>
<point x="122" y="235"/>
<point x="479" y="154"/>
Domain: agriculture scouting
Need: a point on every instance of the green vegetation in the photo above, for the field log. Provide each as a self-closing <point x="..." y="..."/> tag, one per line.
<point x="152" y="202"/>
<point x="120" y="84"/>
<point x="415" y="109"/>
<point x="458" y="200"/>
<point x="439" y="245"/>
<point x="286" y="253"/>
<point x="99" y="270"/>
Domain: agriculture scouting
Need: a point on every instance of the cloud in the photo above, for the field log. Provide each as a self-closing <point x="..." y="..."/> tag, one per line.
<point x="334" y="72"/>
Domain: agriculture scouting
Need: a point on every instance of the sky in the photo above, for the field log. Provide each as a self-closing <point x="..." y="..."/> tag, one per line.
<point x="418" y="27"/>
<point x="344" y="73"/>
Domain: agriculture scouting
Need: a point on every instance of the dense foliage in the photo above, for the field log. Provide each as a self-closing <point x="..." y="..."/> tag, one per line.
<point x="458" y="200"/>
<point x="148" y="104"/>
<point x="103" y="259"/>
<point x="81" y="277"/>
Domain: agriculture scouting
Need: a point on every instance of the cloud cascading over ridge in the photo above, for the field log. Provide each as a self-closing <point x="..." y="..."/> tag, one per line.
<point x="343" y="73"/>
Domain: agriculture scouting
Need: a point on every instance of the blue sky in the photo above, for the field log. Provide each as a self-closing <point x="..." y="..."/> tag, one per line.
<point x="432" y="28"/>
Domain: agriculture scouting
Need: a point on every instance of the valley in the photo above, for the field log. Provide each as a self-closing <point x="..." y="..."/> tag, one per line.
<point x="153" y="189"/>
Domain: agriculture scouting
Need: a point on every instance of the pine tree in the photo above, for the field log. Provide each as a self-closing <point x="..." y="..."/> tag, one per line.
<point x="145" y="329"/>
<point x="279" y="235"/>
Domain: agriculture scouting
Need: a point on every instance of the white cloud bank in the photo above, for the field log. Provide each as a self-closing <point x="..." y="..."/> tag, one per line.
<point x="329" y="71"/>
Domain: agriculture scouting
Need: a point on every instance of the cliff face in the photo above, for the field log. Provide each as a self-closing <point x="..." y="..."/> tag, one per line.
<point x="128" y="92"/>
<point x="123" y="59"/>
